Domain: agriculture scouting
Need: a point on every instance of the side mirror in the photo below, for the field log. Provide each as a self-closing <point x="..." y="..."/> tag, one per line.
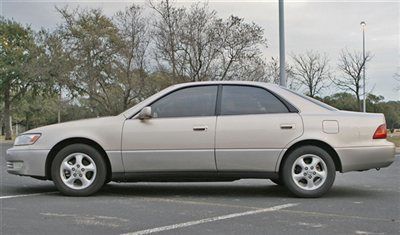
<point x="145" y="113"/>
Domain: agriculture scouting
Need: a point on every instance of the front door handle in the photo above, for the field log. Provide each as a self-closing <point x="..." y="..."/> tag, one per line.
<point x="200" y="128"/>
<point x="287" y="126"/>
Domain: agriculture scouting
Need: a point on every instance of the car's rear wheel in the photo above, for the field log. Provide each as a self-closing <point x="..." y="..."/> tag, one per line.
<point x="78" y="170"/>
<point x="308" y="171"/>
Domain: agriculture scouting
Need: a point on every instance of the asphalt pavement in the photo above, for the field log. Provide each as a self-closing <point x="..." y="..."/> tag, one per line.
<point x="359" y="203"/>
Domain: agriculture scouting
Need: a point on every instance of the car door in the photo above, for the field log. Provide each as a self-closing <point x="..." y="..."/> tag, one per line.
<point x="253" y="127"/>
<point x="179" y="137"/>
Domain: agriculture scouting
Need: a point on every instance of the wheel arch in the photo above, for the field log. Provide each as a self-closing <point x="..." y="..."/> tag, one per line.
<point x="75" y="140"/>
<point x="325" y="146"/>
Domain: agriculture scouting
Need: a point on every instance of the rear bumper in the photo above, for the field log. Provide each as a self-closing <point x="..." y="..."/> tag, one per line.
<point x="364" y="158"/>
<point x="27" y="162"/>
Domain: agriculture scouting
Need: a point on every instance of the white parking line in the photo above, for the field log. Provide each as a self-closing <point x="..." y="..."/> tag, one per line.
<point x="25" y="195"/>
<point x="212" y="219"/>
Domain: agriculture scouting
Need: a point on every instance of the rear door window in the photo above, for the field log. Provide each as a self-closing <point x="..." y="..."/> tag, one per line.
<point x="242" y="100"/>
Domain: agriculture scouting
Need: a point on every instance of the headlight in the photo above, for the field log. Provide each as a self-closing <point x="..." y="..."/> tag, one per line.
<point x="26" y="139"/>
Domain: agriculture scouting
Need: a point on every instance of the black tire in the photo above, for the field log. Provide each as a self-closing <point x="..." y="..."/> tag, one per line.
<point x="277" y="181"/>
<point x="290" y="182"/>
<point x="101" y="170"/>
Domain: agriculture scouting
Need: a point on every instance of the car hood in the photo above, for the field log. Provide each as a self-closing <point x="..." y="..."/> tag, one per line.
<point x="105" y="131"/>
<point x="81" y="124"/>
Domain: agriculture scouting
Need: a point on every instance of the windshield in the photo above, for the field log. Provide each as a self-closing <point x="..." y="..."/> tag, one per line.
<point x="317" y="102"/>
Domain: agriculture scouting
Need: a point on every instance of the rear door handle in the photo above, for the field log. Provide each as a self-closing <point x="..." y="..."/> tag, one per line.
<point x="287" y="126"/>
<point x="200" y="128"/>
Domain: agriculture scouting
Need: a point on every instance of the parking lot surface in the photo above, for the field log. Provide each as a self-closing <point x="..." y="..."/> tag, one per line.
<point x="359" y="203"/>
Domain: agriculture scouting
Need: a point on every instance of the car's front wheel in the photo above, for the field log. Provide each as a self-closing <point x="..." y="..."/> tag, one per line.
<point x="78" y="170"/>
<point x="309" y="171"/>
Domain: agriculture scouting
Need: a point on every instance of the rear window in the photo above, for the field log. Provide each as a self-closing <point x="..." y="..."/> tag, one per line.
<point x="317" y="102"/>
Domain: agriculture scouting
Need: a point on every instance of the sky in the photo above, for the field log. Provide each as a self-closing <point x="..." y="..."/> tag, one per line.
<point x="323" y="26"/>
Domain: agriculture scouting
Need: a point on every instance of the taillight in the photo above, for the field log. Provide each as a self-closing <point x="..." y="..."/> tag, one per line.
<point x="381" y="132"/>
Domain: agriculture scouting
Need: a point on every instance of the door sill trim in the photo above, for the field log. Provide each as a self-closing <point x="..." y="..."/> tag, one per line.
<point x="192" y="176"/>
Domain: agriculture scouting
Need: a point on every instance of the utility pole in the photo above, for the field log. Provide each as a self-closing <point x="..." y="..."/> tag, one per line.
<point x="282" y="63"/>
<point x="363" y="24"/>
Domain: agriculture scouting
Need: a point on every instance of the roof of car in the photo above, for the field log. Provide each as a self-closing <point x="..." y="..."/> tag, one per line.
<point x="265" y="84"/>
<point x="301" y="104"/>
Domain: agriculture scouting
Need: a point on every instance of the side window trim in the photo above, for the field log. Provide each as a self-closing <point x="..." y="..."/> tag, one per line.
<point x="219" y="100"/>
<point x="289" y="106"/>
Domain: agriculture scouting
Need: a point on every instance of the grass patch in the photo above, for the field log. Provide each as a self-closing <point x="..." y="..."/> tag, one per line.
<point x="394" y="139"/>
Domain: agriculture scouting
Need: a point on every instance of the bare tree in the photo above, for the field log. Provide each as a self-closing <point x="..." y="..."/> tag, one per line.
<point x="252" y="70"/>
<point x="273" y="73"/>
<point x="198" y="42"/>
<point x="130" y="62"/>
<point x="241" y="44"/>
<point x="312" y="70"/>
<point x="195" y="45"/>
<point x="351" y="65"/>
<point x="166" y="30"/>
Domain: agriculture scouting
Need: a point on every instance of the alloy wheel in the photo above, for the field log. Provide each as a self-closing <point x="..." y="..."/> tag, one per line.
<point x="309" y="172"/>
<point x="78" y="171"/>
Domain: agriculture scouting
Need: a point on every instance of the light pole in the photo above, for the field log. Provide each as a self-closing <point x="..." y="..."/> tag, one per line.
<point x="363" y="24"/>
<point x="59" y="107"/>
<point x="282" y="64"/>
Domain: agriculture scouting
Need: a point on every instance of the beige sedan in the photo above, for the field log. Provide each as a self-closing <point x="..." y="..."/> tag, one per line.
<point x="208" y="131"/>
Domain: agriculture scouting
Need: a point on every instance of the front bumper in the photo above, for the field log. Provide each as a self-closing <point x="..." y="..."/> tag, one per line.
<point x="30" y="162"/>
<point x="364" y="158"/>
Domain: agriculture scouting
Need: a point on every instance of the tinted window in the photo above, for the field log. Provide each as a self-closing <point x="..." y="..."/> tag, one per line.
<point x="317" y="102"/>
<point x="187" y="102"/>
<point x="237" y="100"/>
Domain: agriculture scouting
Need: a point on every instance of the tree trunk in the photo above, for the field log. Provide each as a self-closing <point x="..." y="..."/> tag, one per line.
<point x="359" y="103"/>
<point x="7" y="106"/>
<point x="310" y="90"/>
<point x="27" y="121"/>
